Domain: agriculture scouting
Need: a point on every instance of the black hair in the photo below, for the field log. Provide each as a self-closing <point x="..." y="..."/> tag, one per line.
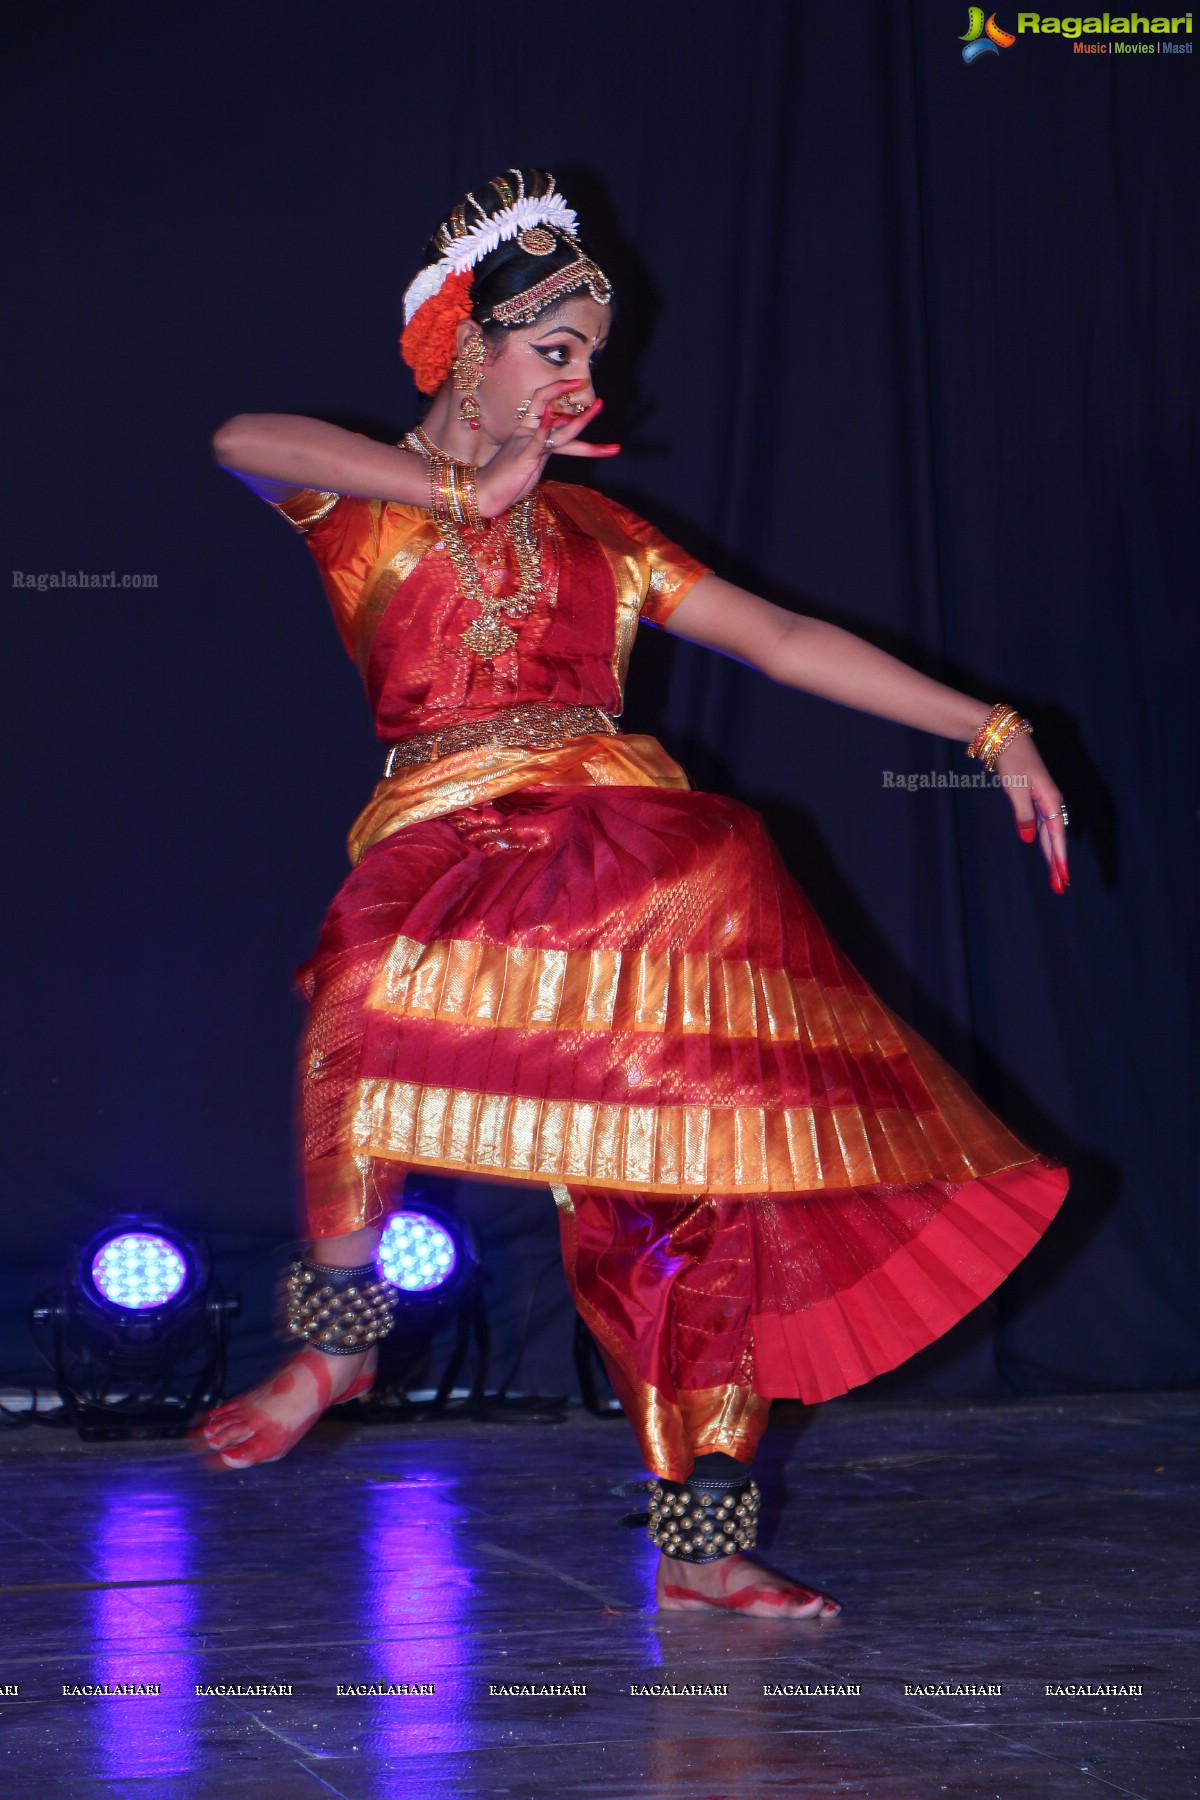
<point x="508" y="270"/>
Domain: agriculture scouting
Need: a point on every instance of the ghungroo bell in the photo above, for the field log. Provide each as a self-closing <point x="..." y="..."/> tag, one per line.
<point x="703" y="1519"/>
<point x="338" y="1311"/>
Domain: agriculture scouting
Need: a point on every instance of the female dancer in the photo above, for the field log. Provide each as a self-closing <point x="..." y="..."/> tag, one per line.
<point x="555" y="961"/>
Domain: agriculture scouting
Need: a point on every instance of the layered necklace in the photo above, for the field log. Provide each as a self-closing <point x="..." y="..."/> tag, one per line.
<point x="488" y="635"/>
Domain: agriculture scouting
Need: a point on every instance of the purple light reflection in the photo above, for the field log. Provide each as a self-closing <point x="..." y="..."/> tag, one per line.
<point x="417" y="1625"/>
<point x="144" y="1635"/>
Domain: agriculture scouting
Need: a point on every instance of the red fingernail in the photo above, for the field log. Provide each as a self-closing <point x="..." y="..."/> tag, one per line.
<point x="1056" y="881"/>
<point x="1028" y="830"/>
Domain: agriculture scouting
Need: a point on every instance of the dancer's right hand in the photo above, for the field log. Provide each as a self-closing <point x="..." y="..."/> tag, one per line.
<point x="516" y="468"/>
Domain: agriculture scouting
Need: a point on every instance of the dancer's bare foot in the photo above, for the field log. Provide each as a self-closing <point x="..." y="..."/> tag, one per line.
<point x="737" y="1585"/>
<point x="264" y="1424"/>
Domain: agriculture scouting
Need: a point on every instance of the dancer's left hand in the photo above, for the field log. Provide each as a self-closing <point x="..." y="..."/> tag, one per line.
<point x="1038" y="805"/>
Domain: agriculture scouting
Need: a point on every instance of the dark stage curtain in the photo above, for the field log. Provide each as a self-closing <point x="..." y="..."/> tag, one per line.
<point x="905" y="342"/>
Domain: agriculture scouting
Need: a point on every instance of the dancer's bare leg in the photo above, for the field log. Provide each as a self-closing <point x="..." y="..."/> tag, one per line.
<point x="264" y="1424"/>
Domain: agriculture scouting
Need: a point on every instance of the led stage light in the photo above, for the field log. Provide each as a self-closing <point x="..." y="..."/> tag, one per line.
<point x="139" y="1332"/>
<point x="432" y="1259"/>
<point x="416" y="1253"/>
<point x="137" y="1270"/>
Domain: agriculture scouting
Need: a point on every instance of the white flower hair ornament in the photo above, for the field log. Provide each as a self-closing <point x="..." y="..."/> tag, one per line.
<point x="466" y="246"/>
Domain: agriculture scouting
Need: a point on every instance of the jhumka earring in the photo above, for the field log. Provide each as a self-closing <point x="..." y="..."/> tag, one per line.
<point x="467" y="372"/>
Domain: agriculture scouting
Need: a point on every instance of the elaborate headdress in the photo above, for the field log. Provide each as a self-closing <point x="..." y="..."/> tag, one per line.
<point x="439" y="296"/>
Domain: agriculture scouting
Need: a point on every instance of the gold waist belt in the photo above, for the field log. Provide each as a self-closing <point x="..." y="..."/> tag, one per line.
<point x="536" y="726"/>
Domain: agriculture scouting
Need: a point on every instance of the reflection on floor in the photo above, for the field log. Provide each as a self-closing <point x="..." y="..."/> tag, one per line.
<point x="1047" y="1549"/>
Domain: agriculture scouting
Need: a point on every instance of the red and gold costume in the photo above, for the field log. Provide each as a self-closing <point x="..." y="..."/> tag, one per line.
<point x="563" y="964"/>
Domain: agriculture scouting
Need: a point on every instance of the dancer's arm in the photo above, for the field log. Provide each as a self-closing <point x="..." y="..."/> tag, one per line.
<point x="279" y="455"/>
<point x="820" y="658"/>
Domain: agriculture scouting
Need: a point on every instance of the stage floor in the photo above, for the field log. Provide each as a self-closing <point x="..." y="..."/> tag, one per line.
<point x="1032" y="1545"/>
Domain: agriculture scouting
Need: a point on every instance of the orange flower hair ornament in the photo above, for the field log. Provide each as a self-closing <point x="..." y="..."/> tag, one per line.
<point x="439" y="296"/>
<point x="427" y="341"/>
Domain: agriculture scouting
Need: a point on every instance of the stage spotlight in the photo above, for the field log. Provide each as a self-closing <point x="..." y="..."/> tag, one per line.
<point x="137" y="1270"/>
<point x="139" y="1332"/>
<point x="432" y="1260"/>
<point x="417" y="1254"/>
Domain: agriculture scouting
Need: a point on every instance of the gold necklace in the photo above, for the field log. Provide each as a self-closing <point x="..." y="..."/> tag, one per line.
<point x="488" y="635"/>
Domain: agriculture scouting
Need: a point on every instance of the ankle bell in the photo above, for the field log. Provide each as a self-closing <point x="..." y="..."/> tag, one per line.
<point x="340" y="1312"/>
<point x="701" y="1520"/>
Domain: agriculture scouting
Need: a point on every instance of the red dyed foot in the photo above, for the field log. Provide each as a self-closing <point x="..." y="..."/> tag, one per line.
<point x="737" y="1585"/>
<point x="263" y="1425"/>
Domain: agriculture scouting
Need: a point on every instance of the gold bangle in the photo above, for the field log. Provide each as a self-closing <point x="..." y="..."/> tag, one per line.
<point x="995" y="722"/>
<point x="996" y="736"/>
<point x="456" y="494"/>
<point x="449" y="493"/>
<point x="437" y="488"/>
<point x="995" y="719"/>
<point x="470" y="496"/>
<point x="1002" y="725"/>
<point x="1011" y="732"/>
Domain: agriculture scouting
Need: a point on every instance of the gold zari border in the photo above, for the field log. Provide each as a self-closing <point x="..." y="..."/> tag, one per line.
<point x="463" y="982"/>
<point x="379" y="589"/>
<point x="670" y="1149"/>
<point x="306" y="508"/>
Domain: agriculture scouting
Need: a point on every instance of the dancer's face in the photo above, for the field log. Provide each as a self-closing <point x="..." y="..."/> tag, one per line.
<point x="561" y="345"/>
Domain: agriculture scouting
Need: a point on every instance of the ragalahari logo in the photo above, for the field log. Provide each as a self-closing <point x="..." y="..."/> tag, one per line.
<point x="982" y="39"/>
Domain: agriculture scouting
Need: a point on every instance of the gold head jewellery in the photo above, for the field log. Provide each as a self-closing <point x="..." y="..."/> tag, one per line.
<point x="487" y="635"/>
<point x="439" y="295"/>
<point x="524" y="308"/>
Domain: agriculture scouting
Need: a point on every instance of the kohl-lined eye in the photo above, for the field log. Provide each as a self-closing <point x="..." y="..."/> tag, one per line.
<point x="558" y="354"/>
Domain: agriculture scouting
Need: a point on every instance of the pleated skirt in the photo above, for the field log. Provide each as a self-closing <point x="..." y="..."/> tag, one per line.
<point x="768" y="1184"/>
